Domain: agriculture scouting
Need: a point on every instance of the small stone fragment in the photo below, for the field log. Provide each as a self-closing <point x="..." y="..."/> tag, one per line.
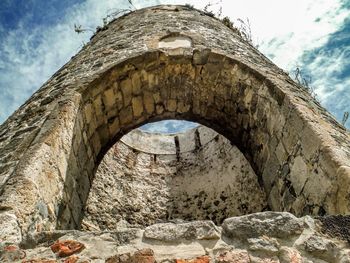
<point x="192" y="230"/>
<point x="290" y="255"/>
<point x="144" y="256"/>
<point x="233" y="256"/>
<point x="67" y="248"/>
<point x="202" y="259"/>
<point x="9" y="231"/>
<point x="11" y="253"/>
<point x="264" y="244"/>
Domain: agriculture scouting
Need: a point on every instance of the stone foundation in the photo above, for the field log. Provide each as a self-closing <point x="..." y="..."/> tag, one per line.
<point x="268" y="237"/>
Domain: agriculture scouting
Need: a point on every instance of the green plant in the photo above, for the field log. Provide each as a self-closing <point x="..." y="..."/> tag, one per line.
<point x="189" y="6"/>
<point x="227" y="22"/>
<point x="210" y="12"/>
<point x="304" y="81"/>
<point x="131" y="3"/>
<point x="111" y="14"/>
<point x="79" y="29"/>
<point x="245" y="29"/>
<point x="345" y="118"/>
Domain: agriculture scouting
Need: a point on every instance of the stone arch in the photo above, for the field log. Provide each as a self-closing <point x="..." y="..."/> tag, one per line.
<point x="52" y="145"/>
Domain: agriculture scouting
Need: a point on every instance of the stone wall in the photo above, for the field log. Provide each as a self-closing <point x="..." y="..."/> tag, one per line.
<point x="158" y="63"/>
<point x="268" y="237"/>
<point x="205" y="178"/>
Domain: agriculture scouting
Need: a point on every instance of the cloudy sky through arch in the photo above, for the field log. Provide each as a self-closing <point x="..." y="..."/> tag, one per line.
<point x="37" y="37"/>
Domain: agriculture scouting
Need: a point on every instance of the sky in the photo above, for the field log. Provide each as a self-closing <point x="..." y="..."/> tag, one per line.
<point x="37" y="37"/>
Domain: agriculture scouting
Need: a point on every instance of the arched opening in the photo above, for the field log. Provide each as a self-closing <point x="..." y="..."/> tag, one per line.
<point x="147" y="178"/>
<point x="210" y="89"/>
<point x="178" y="63"/>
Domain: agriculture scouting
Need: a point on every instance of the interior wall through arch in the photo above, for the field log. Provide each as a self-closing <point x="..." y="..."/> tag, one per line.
<point x="147" y="178"/>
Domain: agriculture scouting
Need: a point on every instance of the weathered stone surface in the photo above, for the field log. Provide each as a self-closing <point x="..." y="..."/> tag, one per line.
<point x="140" y="256"/>
<point x="11" y="253"/>
<point x="174" y="232"/>
<point x="185" y="245"/>
<point x="227" y="84"/>
<point x="67" y="248"/>
<point x="202" y="259"/>
<point x="146" y="172"/>
<point x="319" y="247"/>
<point x="264" y="244"/>
<point x="273" y="224"/>
<point x="237" y="256"/>
<point x="290" y="255"/>
<point x="10" y="231"/>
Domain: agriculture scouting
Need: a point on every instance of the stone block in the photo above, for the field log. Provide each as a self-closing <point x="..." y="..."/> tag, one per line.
<point x="176" y="232"/>
<point x="109" y="99"/>
<point x="137" y="106"/>
<point x="233" y="256"/>
<point x="136" y="83"/>
<point x="126" y="116"/>
<point x="126" y="87"/>
<point x="273" y="224"/>
<point x="171" y="105"/>
<point x="149" y="102"/>
<point x="10" y="231"/>
<point x="299" y="174"/>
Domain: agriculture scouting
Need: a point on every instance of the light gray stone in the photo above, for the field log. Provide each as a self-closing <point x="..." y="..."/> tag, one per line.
<point x="273" y="224"/>
<point x="175" y="232"/>
<point x="10" y="231"/>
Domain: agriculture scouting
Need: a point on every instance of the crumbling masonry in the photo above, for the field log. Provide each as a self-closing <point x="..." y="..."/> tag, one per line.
<point x="174" y="62"/>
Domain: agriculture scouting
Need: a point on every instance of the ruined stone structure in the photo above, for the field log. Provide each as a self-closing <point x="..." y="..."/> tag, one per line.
<point x="154" y="181"/>
<point x="160" y="63"/>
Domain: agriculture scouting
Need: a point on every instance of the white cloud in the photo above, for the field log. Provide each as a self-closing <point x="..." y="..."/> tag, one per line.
<point x="169" y="126"/>
<point x="29" y="57"/>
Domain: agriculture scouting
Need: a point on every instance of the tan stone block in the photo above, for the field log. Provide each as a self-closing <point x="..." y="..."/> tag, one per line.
<point x="238" y="256"/>
<point x="317" y="187"/>
<point x="159" y="109"/>
<point x="96" y="144"/>
<point x="149" y="102"/>
<point x="196" y="106"/>
<point x="137" y="106"/>
<point x="125" y="115"/>
<point x="182" y="107"/>
<point x="299" y="174"/>
<point x="281" y="153"/>
<point x="92" y="126"/>
<point x="171" y="105"/>
<point x="156" y="97"/>
<point x="119" y="100"/>
<point x="112" y="113"/>
<point x="136" y="83"/>
<point x="109" y="98"/>
<point x="97" y="90"/>
<point x="126" y="87"/>
<point x="88" y="111"/>
<point x="103" y="132"/>
<point x="343" y="180"/>
<point x="152" y="80"/>
<point x="99" y="109"/>
<point x="113" y="126"/>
